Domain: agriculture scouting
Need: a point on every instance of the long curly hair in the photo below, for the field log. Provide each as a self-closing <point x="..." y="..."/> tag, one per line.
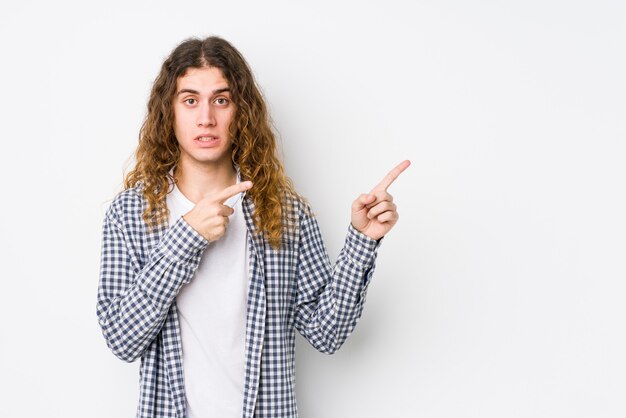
<point x="253" y="141"/>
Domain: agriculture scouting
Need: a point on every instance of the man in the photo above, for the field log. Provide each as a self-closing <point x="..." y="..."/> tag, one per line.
<point x="211" y="260"/>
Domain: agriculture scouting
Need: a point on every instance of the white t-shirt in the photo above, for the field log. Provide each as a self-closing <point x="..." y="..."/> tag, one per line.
<point x="212" y="316"/>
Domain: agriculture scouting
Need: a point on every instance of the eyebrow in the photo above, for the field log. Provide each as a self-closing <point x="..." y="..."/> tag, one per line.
<point x="191" y="91"/>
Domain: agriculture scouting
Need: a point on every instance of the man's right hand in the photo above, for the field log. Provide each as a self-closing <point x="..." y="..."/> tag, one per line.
<point x="210" y="215"/>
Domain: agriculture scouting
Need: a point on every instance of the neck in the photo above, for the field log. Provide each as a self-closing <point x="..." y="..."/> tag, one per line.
<point x="197" y="181"/>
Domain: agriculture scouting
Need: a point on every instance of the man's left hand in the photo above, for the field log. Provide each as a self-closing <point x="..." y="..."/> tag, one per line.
<point x="374" y="214"/>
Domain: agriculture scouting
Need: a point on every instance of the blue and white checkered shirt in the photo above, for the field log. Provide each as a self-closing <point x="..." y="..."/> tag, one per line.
<point x="295" y="287"/>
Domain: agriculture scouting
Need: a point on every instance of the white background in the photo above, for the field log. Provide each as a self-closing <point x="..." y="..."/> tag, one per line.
<point x="500" y="293"/>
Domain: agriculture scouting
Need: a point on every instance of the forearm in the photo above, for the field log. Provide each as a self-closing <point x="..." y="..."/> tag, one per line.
<point x="132" y="305"/>
<point x="331" y="299"/>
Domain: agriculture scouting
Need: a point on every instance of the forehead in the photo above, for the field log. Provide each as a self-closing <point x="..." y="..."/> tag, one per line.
<point x="201" y="79"/>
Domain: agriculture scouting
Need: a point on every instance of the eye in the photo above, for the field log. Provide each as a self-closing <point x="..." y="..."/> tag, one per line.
<point x="221" y="101"/>
<point x="190" y="101"/>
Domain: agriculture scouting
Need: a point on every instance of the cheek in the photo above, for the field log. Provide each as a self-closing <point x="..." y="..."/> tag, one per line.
<point x="228" y="118"/>
<point x="177" y="131"/>
<point x="180" y="125"/>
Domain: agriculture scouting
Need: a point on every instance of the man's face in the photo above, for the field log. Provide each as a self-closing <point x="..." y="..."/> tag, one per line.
<point x="202" y="114"/>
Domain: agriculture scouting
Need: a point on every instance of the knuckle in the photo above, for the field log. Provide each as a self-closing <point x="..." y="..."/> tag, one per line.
<point x="212" y="210"/>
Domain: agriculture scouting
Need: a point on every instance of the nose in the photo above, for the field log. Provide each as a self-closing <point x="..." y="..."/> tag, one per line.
<point x="205" y="115"/>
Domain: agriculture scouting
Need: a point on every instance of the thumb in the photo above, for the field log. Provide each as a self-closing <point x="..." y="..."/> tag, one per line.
<point x="362" y="201"/>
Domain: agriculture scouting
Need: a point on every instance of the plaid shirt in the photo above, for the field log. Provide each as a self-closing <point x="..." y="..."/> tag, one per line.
<point x="295" y="287"/>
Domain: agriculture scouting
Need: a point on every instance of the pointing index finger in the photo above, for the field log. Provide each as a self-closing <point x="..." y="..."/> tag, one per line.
<point x="391" y="176"/>
<point x="231" y="191"/>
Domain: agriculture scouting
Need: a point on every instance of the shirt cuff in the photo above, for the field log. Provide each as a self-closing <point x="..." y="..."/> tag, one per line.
<point x="360" y="248"/>
<point x="184" y="244"/>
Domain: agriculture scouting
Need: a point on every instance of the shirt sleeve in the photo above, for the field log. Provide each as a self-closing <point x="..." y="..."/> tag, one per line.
<point x="133" y="301"/>
<point x="330" y="299"/>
